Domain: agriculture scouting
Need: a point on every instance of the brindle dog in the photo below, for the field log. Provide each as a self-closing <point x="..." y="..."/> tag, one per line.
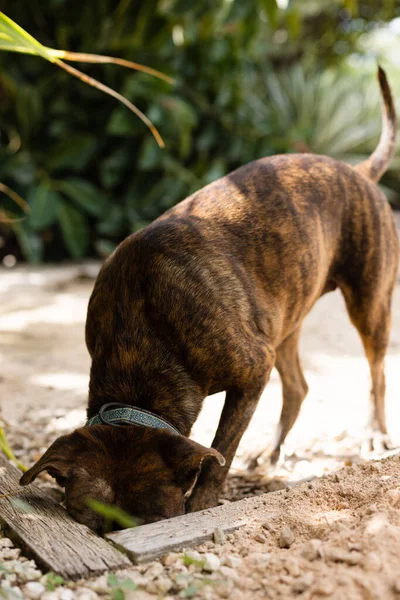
<point x="210" y="297"/>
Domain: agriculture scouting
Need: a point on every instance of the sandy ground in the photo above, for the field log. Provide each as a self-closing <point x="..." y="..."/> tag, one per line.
<point x="45" y="366"/>
<point x="43" y="386"/>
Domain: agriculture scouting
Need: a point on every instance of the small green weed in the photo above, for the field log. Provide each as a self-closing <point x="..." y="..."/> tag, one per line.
<point x="118" y="588"/>
<point x="53" y="581"/>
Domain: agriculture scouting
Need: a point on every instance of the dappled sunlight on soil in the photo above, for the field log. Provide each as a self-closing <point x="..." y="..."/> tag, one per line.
<point x="45" y="372"/>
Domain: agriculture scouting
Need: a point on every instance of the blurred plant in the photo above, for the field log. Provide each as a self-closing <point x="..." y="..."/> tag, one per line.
<point x="112" y="514"/>
<point x="6" y="449"/>
<point x="53" y="581"/>
<point x="15" y="39"/>
<point x="87" y="168"/>
<point x="335" y="113"/>
<point x="118" y="588"/>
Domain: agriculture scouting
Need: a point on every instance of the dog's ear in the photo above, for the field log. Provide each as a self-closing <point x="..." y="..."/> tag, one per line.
<point x="186" y="457"/>
<point x="57" y="460"/>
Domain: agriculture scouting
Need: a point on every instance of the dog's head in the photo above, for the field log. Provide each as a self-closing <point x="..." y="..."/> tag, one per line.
<point x="149" y="473"/>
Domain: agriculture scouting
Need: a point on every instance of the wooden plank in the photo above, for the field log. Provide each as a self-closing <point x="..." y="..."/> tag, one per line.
<point x="148" y="542"/>
<point x="46" y="532"/>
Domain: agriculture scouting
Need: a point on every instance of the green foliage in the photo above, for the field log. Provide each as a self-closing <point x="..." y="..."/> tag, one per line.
<point x="7" y="450"/>
<point x="118" y="588"/>
<point x="53" y="581"/>
<point x="91" y="171"/>
<point x="112" y="513"/>
<point x="188" y="560"/>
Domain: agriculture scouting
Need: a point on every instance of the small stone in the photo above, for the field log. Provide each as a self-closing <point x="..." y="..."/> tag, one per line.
<point x="267" y="525"/>
<point x="377" y="523"/>
<point x="86" y="594"/>
<point x="323" y="588"/>
<point x="375" y="466"/>
<point x="340" y="556"/>
<point x="66" y="594"/>
<point x="138" y="595"/>
<point x="311" y="550"/>
<point x="154" y="570"/>
<point x="232" y="561"/>
<point x="259" y="537"/>
<point x="162" y="585"/>
<point x="259" y="559"/>
<point x="6" y="543"/>
<point x="229" y="573"/>
<point x="224" y="588"/>
<point x="373" y="562"/>
<point x="303" y="583"/>
<point x="50" y="596"/>
<point x="286" y="538"/>
<point x="393" y="497"/>
<point x="372" y="508"/>
<point x="293" y="568"/>
<point x="34" y="590"/>
<point x="211" y="562"/>
<point x="195" y="556"/>
<point x="32" y="574"/>
<point x="9" y="553"/>
<point x="171" y="559"/>
<point x="219" y="536"/>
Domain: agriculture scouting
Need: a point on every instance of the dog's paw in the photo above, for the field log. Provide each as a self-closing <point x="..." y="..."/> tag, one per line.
<point x="265" y="460"/>
<point x="376" y="443"/>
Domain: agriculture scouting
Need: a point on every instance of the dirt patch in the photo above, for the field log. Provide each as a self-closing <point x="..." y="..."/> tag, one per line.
<point x="342" y="536"/>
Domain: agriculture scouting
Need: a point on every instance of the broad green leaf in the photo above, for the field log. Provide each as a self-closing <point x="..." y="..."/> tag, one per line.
<point x="30" y="243"/>
<point x="85" y="194"/>
<point x="44" y="205"/>
<point x="113" y="221"/>
<point x="112" y="580"/>
<point x="121" y="124"/>
<point x="271" y="10"/>
<point x="351" y="6"/>
<point x="72" y="153"/>
<point x="294" y="21"/>
<point x="104" y="247"/>
<point x="74" y="229"/>
<point x="150" y="156"/>
<point x="118" y="594"/>
<point x="128" y="584"/>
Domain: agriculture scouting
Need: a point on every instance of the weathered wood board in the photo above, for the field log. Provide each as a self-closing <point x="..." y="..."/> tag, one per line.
<point x="49" y="534"/>
<point x="148" y="542"/>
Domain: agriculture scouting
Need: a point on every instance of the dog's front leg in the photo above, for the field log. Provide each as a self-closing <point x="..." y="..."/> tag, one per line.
<point x="239" y="407"/>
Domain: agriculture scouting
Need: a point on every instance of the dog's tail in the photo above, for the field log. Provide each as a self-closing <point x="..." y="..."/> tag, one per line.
<point x="375" y="166"/>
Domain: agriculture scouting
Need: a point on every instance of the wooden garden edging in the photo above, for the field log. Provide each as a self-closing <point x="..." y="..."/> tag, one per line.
<point x="148" y="542"/>
<point x="47" y="533"/>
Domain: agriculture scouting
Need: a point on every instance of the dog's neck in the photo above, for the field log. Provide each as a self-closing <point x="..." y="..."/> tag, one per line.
<point x="164" y="389"/>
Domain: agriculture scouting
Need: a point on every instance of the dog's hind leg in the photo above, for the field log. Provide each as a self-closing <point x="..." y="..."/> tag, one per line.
<point x="294" y="389"/>
<point x="371" y="315"/>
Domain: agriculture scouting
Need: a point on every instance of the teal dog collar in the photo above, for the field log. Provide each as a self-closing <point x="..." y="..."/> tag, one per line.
<point x="123" y="414"/>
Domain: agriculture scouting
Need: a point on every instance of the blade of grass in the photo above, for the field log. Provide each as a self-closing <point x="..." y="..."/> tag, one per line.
<point x="6" y="449"/>
<point x="107" y="90"/>
<point x="5" y="218"/>
<point x="100" y="59"/>
<point x="14" y="196"/>
<point x="15" y="39"/>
